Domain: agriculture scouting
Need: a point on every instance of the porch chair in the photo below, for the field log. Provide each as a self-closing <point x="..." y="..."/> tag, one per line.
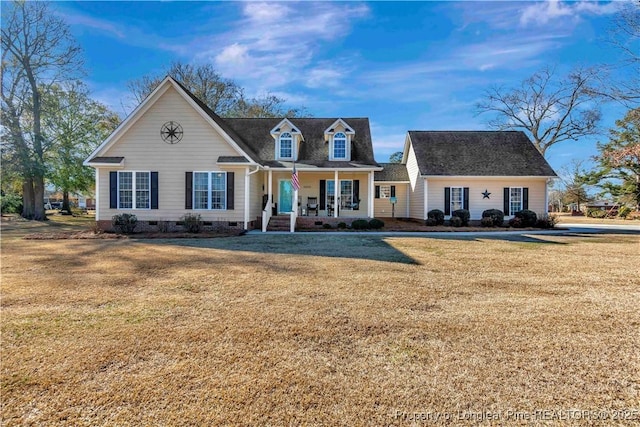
<point x="312" y="205"/>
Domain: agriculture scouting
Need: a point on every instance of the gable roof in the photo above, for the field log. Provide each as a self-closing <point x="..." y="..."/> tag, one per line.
<point x="477" y="153"/>
<point x="314" y="150"/>
<point x="393" y="172"/>
<point x="205" y="112"/>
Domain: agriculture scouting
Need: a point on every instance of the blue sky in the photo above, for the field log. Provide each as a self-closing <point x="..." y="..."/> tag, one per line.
<point x="406" y="66"/>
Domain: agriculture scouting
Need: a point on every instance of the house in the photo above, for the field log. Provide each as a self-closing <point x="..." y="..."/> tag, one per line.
<point x="473" y="170"/>
<point x="173" y="156"/>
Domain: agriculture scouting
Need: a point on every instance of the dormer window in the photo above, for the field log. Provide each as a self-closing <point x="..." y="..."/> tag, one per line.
<point x="340" y="146"/>
<point x="286" y="146"/>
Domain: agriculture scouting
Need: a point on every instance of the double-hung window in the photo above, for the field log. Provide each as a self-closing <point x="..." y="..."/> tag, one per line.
<point x="286" y="146"/>
<point x="385" y="191"/>
<point x="134" y="190"/>
<point x="340" y="146"/>
<point x="457" y="198"/>
<point x="210" y="190"/>
<point x="345" y="198"/>
<point x="515" y="199"/>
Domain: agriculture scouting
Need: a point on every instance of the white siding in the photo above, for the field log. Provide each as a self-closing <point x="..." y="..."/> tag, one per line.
<point x="255" y="195"/>
<point x="383" y="208"/>
<point x="416" y="205"/>
<point x="144" y="150"/>
<point x="477" y="185"/>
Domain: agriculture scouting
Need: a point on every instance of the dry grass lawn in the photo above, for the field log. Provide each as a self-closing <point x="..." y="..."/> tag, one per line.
<point x="318" y="330"/>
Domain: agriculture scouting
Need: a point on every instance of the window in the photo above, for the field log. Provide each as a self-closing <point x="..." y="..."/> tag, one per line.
<point x="457" y="198"/>
<point x="385" y="191"/>
<point x="210" y="190"/>
<point x="515" y="199"/>
<point x="340" y="146"/>
<point x="130" y="183"/>
<point x="345" y="198"/>
<point x="286" y="146"/>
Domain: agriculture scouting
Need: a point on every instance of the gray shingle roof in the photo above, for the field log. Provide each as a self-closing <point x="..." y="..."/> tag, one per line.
<point x="392" y="172"/>
<point x="314" y="151"/>
<point x="232" y="159"/>
<point x="478" y="153"/>
<point x="114" y="160"/>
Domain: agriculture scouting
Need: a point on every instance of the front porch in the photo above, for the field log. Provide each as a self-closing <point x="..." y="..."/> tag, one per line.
<point x="322" y="194"/>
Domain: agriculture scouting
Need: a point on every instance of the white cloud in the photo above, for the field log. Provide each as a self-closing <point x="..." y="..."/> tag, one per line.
<point x="235" y="55"/>
<point x="552" y="10"/>
<point x="93" y="23"/>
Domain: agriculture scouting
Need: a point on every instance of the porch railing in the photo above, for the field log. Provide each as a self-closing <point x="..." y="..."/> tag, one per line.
<point x="266" y="215"/>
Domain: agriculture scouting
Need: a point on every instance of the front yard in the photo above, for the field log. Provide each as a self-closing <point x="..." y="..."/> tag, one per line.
<point x="317" y="329"/>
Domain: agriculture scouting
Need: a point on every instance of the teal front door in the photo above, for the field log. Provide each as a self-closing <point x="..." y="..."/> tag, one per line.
<point x="286" y="196"/>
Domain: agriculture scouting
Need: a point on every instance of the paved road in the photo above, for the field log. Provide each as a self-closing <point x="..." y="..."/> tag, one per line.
<point x="562" y="229"/>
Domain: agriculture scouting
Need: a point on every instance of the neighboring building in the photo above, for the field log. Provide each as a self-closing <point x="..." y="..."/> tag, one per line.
<point x="474" y="170"/>
<point x="174" y="156"/>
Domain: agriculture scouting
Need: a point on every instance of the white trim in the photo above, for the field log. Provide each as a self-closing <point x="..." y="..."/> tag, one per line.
<point x="425" y="203"/>
<point x="336" y="186"/>
<point x="246" y="198"/>
<point x="97" y="194"/>
<point x="392" y="182"/>
<point x="209" y="190"/>
<point x="134" y="189"/>
<point x="488" y="177"/>
<point x="344" y="124"/>
<point x="371" y="195"/>
<point x="511" y="211"/>
<point x="146" y="104"/>
<point x="106" y="165"/>
<point x="276" y="130"/>
<point x="279" y="147"/>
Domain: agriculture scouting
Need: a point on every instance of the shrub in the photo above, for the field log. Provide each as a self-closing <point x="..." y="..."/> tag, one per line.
<point x="326" y="226"/>
<point x="496" y="216"/>
<point x="192" y="223"/>
<point x="463" y="214"/>
<point x="548" y="221"/>
<point x="124" y="223"/>
<point x="431" y="222"/>
<point x="164" y="226"/>
<point x="596" y="213"/>
<point x="486" y="221"/>
<point x="455" y="221"/>
<point x="376" y="224"/>
<point x="624" y="212"/>
<point x="11" y="203"/>
<point x="437" y="215"/>
<point x="516" y="222"/>
<point x="528" y="218"/>
<point x="342" y="225"/>
<point x="360" y="224"/>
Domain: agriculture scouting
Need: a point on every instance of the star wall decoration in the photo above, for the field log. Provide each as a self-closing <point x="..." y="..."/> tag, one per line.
<point x="486" y="194"/>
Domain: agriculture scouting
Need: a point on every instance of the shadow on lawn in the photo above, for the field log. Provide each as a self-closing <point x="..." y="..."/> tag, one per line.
<point x="355" y="247"/>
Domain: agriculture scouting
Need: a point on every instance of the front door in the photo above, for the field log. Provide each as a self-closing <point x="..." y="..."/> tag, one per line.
<point x="285" y="197"/>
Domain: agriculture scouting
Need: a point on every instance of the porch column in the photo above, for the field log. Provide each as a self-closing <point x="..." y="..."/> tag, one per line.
<point x="336" y="191"/>
<point x="425" y="204"/>
<point x="270" y="190"/>
<point x="371" y="194"/>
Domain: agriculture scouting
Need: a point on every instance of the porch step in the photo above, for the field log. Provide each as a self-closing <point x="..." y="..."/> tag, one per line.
<point x="279" y="223"/>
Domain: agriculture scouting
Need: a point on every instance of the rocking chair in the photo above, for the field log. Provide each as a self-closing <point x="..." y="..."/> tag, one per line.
<point x="312" y="205"/>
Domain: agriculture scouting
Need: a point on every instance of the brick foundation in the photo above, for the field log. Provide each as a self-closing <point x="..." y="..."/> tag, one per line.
<point x="309" y="222"/>
<point x="172" y="226"/>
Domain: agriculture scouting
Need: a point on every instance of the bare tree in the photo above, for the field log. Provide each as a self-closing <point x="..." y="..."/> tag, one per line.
<point x="223" y="96"/>
<point x="625" y="36"/>
<point x="547" y="108"/>
<point x="38" y="51"/>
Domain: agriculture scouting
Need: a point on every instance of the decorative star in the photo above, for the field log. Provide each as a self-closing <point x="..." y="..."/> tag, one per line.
<point x="486" y="194"/>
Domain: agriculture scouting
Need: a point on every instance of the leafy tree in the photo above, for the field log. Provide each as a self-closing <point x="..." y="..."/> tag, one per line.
<point x="223" y="96"/>
<point x="574" y="184"/>
<point x="396" y="157"/>
<point x="38" y="51"/>
<point x="549" y="109"/>
<point x="618" y="171"/>
<point x="74" y="125"/>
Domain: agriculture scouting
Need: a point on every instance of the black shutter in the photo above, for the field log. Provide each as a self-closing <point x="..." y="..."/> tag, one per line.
<point x="323" y="194"/>
<point x="188" y="190"/>
<point x="377" y="191"/>
<point x="356" y="194"/>
<point x="113" y="190"/>
<point x="506" y="201"/>
<point x="393" y="191"/>
<point x="230" y="190"/>
<point x="525" y="198"/>
<point x="154" y="190"/>
<point x="465" y="198"/>
<point x="447" y="200"/>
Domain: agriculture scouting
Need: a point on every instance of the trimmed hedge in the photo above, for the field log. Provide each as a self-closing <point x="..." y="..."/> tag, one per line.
<point x="436" y="216"/>
<point x="495" y="215"/>
<point x="360" y="224"/>
<point x="376" y="224"/>
<point x="124" y="223"/>
<point x="455" y="221"/>
<point x="463" y="214"/>
<point x="528" y="218"/>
